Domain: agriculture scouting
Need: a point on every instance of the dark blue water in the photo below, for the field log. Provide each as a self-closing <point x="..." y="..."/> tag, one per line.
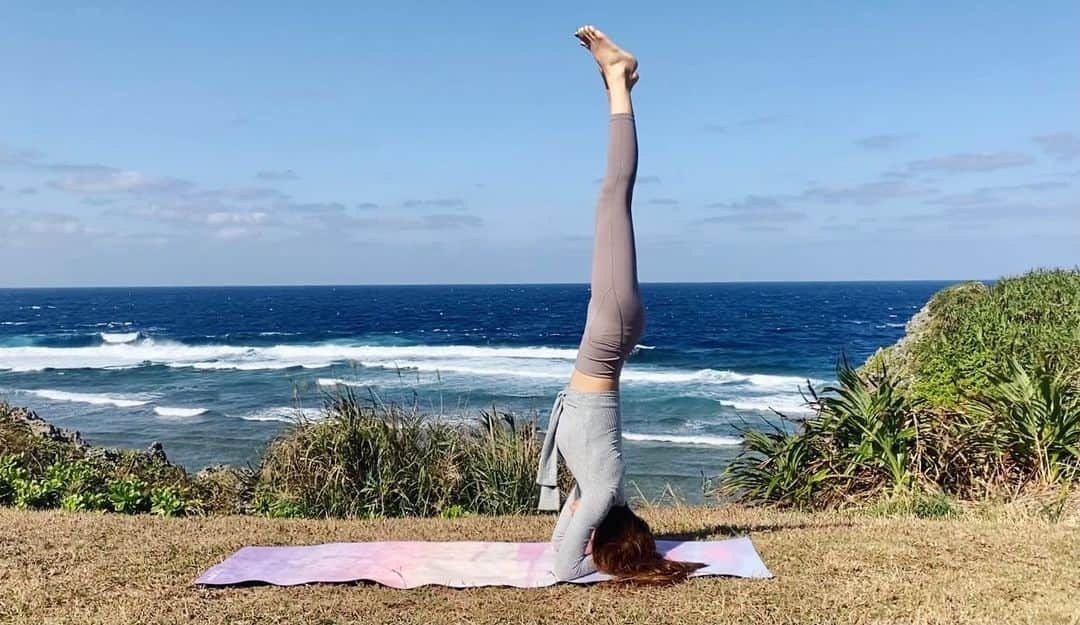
<point x="215" y="372"/>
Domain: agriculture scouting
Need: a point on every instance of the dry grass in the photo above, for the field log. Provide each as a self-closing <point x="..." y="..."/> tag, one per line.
<point x="89" y="568"/>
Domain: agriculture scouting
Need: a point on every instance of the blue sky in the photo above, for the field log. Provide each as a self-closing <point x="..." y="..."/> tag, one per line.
<point x="462" y="142"/>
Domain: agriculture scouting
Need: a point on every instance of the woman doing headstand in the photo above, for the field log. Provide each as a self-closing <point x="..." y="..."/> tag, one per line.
<point x="596" y="530"/>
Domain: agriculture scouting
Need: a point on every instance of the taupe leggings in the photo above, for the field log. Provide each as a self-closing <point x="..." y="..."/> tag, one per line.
<point x="616" y="318"/>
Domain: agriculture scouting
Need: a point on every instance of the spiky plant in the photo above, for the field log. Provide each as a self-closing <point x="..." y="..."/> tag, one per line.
<point x="1035" y="415"/>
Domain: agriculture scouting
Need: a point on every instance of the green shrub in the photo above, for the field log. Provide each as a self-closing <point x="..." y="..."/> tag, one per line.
<point x="37" y="494"/>
<point x="167" y="501"/>
<point x="453" y="512"/>
<point x="10" y="472"/>
<point x="776" y="467"/>
<point x="127" y="496"/>
<point x="275" y="507"/>
<point x="1035" y="418"/>
<point x="974" y="332"/>
<point x="85" y="501"/>
<point x="863" y="439"/>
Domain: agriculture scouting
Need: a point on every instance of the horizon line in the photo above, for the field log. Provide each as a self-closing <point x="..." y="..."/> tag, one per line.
<point x="453" y="284"/>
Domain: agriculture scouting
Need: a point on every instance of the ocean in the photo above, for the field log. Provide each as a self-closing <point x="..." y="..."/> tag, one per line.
<point x="213" y="373"/>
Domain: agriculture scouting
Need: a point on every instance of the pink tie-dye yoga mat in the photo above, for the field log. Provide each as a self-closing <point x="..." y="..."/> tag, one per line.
<point x="456" y="564"/>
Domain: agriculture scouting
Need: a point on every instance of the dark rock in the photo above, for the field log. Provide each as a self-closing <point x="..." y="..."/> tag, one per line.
<point x="40" y="427"/>
<point x="157" y="452"/>
<point x="103" y="454"/>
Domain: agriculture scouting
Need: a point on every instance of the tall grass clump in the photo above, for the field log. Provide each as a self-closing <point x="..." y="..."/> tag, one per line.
<point x="370" y="459"/>
<point x="862" y="441"/>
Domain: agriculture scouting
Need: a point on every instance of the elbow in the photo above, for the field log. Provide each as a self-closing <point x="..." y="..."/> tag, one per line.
<point x="567" y="571"/>
<point x="564" y="573"/>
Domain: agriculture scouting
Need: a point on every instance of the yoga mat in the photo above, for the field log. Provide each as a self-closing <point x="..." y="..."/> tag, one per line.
<point x="458" y="564"/>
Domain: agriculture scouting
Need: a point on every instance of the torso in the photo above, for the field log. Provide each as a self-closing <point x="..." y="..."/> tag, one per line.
<point x="591" y="384"/>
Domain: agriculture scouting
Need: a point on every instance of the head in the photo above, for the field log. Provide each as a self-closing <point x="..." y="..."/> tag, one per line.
<point x="624" y="546"/>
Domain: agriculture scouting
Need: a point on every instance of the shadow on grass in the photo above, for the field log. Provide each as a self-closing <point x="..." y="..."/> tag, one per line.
<point x="734" y="530"/>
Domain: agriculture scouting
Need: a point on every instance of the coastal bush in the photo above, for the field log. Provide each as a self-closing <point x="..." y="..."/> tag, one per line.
<point x="167" y="501"/>
<point x="863" y="439"/>
<point x="44" y="467"/>
<point x="78" y="502"/>
<point x="869" y="442"/>
<point x="969" y="333"/>
<point x="127" y="496"/>
<point x="10" y="472"/>
<point x="371" y="459"/>
<point x="1034" y="419"/>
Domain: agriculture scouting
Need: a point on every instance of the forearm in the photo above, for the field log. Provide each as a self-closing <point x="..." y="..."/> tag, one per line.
<point x="572" y="559"/>
<point x="565" y="516"/>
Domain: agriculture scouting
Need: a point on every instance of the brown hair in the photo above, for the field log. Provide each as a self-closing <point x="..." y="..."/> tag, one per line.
<point x="624" y="546"/>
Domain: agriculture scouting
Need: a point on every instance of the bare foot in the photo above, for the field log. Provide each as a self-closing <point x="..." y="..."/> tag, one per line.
<point x="615" y="63"/>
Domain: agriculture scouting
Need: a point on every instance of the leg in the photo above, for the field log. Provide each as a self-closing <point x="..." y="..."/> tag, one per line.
<point x="616" y="318"/>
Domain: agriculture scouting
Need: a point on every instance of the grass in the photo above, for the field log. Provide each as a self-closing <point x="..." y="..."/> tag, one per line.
<point x="993" y="567"/>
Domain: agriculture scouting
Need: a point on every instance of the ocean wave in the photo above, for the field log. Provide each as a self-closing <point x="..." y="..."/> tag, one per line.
<point x="531" y="363"/>
<point x="97" y="399"/>
<point x="891" y="325"/>
<point x="286" y="414"/>
<point x="680" y="439"/>
<point x="166" y="411"/>
<point x="779" y="403"/>
<point x="13" y="323"/>
<point x="119" y="337"/>
<point x="339" y="382"/>
<point x="317" y="355"/>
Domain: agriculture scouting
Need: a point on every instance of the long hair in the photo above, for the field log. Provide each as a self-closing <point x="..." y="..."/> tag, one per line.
<point x="624" y="546"/>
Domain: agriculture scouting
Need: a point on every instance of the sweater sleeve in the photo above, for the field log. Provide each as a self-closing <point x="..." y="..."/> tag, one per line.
<point x="571" y="561"/>
<point x="565" y="516"/>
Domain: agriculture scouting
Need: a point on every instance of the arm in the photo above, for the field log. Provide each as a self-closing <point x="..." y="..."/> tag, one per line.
<point x="571" y="561"/>
<point x="564" y="517"/>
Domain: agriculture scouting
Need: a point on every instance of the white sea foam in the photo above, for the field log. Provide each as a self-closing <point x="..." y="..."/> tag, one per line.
<point x="340" y="382"/>
<point x="507" y="363"/>
<point x="678" y="439"/>
<point x="119" y="337"/>
<point x="166" y="411"/>
<point x="786" y="404"/>
<point x="97" y="399"/>
<point x="13" y="323"/>
<point x="287" y="414"/>
<point x="318" y="355"/>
